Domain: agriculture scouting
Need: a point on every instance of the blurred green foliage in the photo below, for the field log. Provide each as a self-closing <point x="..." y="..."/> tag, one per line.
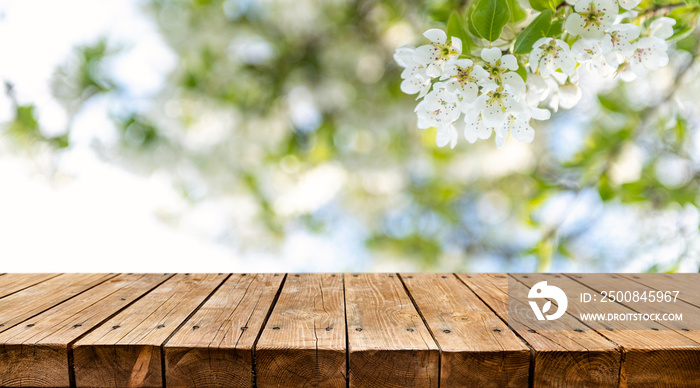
<point x="258" y="61"/>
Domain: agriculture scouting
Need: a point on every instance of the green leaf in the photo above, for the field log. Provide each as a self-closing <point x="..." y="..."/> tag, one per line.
<point x="517" y="13"/>
<point x="522" y="71"/>
<point x="542" y="5"/>
<point x="556" y="28"/>
<point x="489" y="18"/>
<point x="470" y="25"/>
<point x="686" y="19"/>
<point x="456" y="28"/>
<point x="537" y="29"/>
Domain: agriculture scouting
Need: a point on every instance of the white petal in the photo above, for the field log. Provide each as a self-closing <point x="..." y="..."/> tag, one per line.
<point x="493" y="115"/>
<point x="607" y="6"/>
<point x="522" y="132"/>
<point x="457" y="44"/>
<point x="491" y="55"/>
<point x="469" y="92"/>
<point x="484" y="132"/>
<point x="500" y="140"/>
<point x="464" y="63"/>
<point x="541" y="41"/>
<point x="471" y="131"/>
<point x="514" y="80"/>
<point x="424" y="54"/>
<point x="607" y="44"/>
<point x="569" y="95"/>
<point x="403" y="55"/>
<point x="567" y="63"/>
<point x="454" y="136"/>
<point x="540" y="114"/>
<point x="629" y="31"/>
<point x="436" y="35"/>
<point x="662" y="27"/>
<point x="479" y="73"/>
<point x="509" y="62"/>
<point x="411" y="85"/>
<point x="574" y="24"/>
<point x="534" y="59"/>
<point x="446" y="134"/>
<point x="433" y="70"/>
<point x="629" y="4"/>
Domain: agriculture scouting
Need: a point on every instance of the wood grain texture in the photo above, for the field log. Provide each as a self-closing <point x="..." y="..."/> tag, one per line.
<point x="650" y="346"/>
<point x="125" y="351"/>
<point x="686" y="283"/>
<point x="303" y="343"/>
<point x="22" y="305"/>
<point x="475" y="344"/>
<point x="214" y="348"/>
<point x="13" y="282"/>
<point x="562" y="358"/>
<point x="36" y="353"/>
<point x="388" y="343"/>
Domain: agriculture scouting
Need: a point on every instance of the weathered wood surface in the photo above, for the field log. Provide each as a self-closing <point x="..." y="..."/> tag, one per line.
<point x="567" y="358"/>
<point x="648" y="351"/>
<point x="388" y="343"/>
<point x="475" y="344"/>
<point x="13" y="282"/>
<point x="36" y="352"/>
<point x="303" y="343"/>
<point x="330" y="330"/>
<point x="215" y="346"/>
<point x="125" y="351"/>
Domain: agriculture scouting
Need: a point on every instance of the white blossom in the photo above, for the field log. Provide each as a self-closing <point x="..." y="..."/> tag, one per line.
<point x="435" y="55"/>
<point x="564" y="91"/>
<point x="649" y="54"/>
<point x="496" y="105"/>
<point x="662" y="27"/>
<point x="497" y="65"/>
<point x="600" y="65"/>
<point x="592" y="18"/>
<point x="492" y="96"/>
<point x="415" y="78"/>
<point x="474" y="126"/>
<point x="447" y="134"/>
<point x="465" y="75"/>
<point x="584" y="50"/>
<point x="537" y="90"/>
<point x="439" y="107"/>
<point x="549" y="54"/>
<point x="618" y="39"/>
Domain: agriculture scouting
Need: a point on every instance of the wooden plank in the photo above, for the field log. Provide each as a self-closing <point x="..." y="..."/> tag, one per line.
<point x="476" y="346"/>
<point x="13" y="282"/>
<point x="22" y="305"/>
<point x="562" y="358"/>
<point x="647" y="351"/>
<point x="126" y="350"/>
<point x="36" y="353"/>
<point x="214" y="348"/>
<point x="303" y="343"/>
<point x="388" y="343"/>
<point x="686" y="283"/>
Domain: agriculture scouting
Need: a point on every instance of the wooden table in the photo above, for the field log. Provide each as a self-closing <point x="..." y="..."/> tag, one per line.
<point x="319" y="330"/>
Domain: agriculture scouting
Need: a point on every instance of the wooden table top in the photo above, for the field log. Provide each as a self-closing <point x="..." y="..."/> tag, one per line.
<point x="319" y="330"/>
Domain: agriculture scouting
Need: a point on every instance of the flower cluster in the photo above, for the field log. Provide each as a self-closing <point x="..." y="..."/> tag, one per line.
<point x="490" y="95"/>
<point x="608" y="47"/>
